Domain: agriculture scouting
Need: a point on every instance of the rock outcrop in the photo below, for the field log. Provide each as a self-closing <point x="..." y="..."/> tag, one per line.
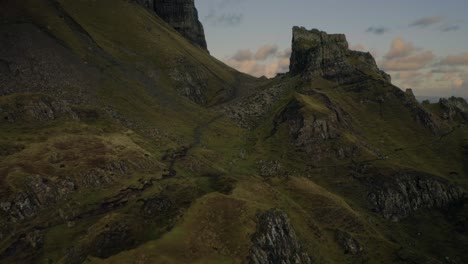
<point x="454" y="108"/>
<point x="182" y="16"/>
<point x="317" y="133"/>
<point x="348" y="243"/>
<point x="398" y="196"/>
<point x="318" y="54"/>
<point x="35" y="108"/>
<point x="420" y="114"/>
<point x="249" y="111"/>
<point x="275" y="241"/>
<point x="39" y="193"/>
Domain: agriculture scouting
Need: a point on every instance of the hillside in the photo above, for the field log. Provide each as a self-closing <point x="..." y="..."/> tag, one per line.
<point x="123" y="141"/>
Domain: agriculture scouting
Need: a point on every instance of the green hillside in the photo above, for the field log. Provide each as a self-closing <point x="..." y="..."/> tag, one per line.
<point x="121" y="142"/>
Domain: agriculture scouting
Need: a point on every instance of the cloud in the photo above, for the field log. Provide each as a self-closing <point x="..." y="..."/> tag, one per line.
<point x="267" y="61"/>
<point x="224" y="3"/>
<point x="410" y="62"/>
<point x="448" y="28"/>
<point x="399" y="48"/>
<point x="452" y="60"/>
<point x="377" y="30"/>
<point x="223" y="19"/>
<point x="426" y="21"/>
<point x="420" y="69"/>
<point x="242" y="55"/>
<point x="266" y="51"/>
<point x="224" y="13"/>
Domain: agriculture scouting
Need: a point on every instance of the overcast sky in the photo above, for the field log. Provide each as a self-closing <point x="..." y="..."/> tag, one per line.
<point x="422" y="44"/>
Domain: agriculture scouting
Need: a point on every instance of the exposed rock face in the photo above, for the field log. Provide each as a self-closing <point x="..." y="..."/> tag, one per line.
<point x="348" y="243"/>
<point x="155" y="207"/>
<point x="317" y="134"/>
<point x="275" y="241"/>
<point x="250" y="110"/>
<point x="38" y="108"/>
<point x="399" y="195"/>
<point x="182" y="16"/>
<point x="420" y="114"/>
<point x="39" y="193"/>
<point x="316" y="53"/>
<point x="454" y="107"/>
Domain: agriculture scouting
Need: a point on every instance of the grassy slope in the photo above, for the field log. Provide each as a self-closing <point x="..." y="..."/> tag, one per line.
<point x="209" y="226"/>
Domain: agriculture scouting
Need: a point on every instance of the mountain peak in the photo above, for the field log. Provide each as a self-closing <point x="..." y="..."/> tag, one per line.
<point x="316" y="53"/>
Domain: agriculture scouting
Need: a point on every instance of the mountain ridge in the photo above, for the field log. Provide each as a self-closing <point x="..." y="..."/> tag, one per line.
<point x="122" y="142"/>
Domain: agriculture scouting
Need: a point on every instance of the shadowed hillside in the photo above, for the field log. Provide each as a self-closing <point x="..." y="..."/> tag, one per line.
<point x="121" y="141"/>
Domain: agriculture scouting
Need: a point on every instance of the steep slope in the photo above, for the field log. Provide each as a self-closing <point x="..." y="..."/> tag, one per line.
<point x="182" y="15"/>
<point x="122" y="142"/>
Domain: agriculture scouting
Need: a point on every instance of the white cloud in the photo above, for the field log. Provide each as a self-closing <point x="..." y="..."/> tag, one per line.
<point x="267" y="61"/>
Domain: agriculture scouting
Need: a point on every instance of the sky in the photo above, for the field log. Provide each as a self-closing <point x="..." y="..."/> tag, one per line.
<point x="423" y="45"/>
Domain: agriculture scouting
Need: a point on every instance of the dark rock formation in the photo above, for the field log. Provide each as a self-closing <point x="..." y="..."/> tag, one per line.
<point x="454" y="108"/>
<point x="318" y="54"/>
<point x="420" y="115"/>
<point x="275" y="241"/>
<point x="267" y="168"/>
<point x="27" y="243"/>
<point x="35" y="108"/>
<point x="182" y="16"/>
<point x="156" y="207"/>
<point x="317" y="133"/>
<point x="398" y="196"/>
<point x="248" y="111"/>
<point x="110" y="235"/>
<point x="348" y="243"/>
<point x="39" y="193"/>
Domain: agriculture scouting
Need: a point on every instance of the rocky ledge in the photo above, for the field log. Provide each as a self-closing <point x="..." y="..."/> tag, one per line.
<point x="318" y="54"/>
<point x="275" y="241"/>
<point x="182" y="16"/>
<point x="454" y="108"/>
<point x="398" y="196"/>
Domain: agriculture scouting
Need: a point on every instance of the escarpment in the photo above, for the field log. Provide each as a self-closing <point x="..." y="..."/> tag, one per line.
<point x="182" y="16"/>
<point x="318" y="54"/>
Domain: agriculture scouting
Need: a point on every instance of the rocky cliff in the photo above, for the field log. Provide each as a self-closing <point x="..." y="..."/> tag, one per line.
<point x="316" y="53"/>
<point x="454" y="108"/>
<point x="182" y="15"/>
<point x="406" y="192"/>
<point x="276" y="242"/>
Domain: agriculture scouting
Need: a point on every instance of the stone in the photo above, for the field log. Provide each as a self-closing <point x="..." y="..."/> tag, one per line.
<point x="400" y="195"/>
<point x="315" y="133"/>
<point x="348" y="243"/>
<point x="318" y="54"/>
<point x="156" y="207"/>
<point x="453" y="108"/>
<point x="275" y="241"/>
<point x="182" y="16"/>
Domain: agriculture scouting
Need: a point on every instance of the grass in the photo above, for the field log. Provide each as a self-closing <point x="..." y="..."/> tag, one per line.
<point x="217" y="192"/>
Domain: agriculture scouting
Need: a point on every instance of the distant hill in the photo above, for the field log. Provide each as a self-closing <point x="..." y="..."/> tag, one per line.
<point x="432" y="99"/>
